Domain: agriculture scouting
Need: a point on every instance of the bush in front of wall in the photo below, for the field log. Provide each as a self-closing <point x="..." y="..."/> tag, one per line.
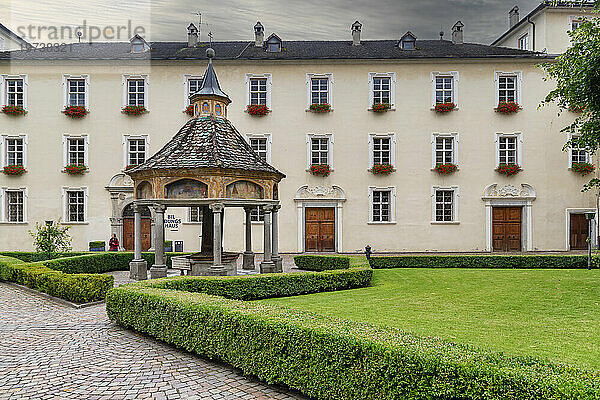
<point x="482" y="261"/>
<point x="321" y="263"/>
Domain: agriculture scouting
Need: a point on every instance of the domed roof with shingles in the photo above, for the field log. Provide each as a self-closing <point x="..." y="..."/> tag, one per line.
<point x="207" y="142"/>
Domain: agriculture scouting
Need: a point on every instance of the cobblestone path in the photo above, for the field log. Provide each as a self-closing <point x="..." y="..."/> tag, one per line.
<point x="51" y="351"/>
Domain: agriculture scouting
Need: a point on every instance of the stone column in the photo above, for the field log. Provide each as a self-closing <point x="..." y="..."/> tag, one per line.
<point x="277" y="260"/>
<point x="217" y="266"/>
<point x="248" y="256"/>
<point x="159" y="268"/>
<point x="267" y="265"/>
<point x="138" y="267"/>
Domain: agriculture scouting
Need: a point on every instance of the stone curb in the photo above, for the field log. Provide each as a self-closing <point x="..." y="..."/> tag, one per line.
<point x="55" y="299"/>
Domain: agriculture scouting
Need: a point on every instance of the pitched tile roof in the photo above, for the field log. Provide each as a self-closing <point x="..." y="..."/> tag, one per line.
<point x="207" y="142"/>
<point x="292" y="50"/>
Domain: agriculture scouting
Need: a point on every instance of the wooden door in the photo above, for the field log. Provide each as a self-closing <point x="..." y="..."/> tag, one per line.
<point x="579" y="232"/>
<point x="506" y="228"/>
<point x="128" y="234"/>
<point x="319" y="229"/>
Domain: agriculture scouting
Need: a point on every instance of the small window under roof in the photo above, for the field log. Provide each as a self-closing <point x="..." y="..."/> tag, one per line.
<point x="138" y="44"/>
<point x="408" y="41"/>
<point x="273" y="43"/>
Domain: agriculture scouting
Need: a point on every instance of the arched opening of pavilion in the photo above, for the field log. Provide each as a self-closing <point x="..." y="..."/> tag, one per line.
<point x="209" y="165"/>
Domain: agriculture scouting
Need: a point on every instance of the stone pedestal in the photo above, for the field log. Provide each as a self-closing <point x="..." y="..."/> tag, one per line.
<point x="158" y="272"/>
<point x="248" y="258"/>
<point x="138" y="270"/>
<point x="248" y="261"/>
<point x="268" y="268"/>
<point x="267" y="265"/>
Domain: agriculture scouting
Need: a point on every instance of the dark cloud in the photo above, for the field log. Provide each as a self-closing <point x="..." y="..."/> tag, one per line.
<point x="308" y="19"/>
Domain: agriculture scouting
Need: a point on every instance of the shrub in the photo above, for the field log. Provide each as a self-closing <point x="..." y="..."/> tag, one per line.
<point x="97" y="243"/>
<point x="78" y="288"/>
<point x="483" y="261"/>
<point x="321" y="263"/>
<point x="329" y="358"/>
<point x="51" y="238"/>
<point x="39" y="256"/>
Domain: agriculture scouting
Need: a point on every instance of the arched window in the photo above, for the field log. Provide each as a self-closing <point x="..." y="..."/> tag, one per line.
<point x="244" y="190"/>
<point x="144" y="191"/>
<point x="275" y="192"/>
<point x="186" y="189"/>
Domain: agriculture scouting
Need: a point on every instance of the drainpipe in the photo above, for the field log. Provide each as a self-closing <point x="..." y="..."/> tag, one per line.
<point x="533" y="33"/>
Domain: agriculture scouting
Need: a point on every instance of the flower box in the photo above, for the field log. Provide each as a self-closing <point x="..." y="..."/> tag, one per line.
<point x="446" y="169"/>
<point x="75" y="111"/>
<point x="320" y="170"/>
<point x="382" y="169"/>
<point x="508" y="107"/>
<point x="583" y="168"/>
<point x="75" y="169"/>
<point x="130" y="166"/>
<point x="257" y="109"/>
<point x="577" y="109"/>
<point x="134" y="110"/>
<point x="508" y="169"/>
<point x="381" y="107"/>
<point x="320" y="108"/>
<point x="189" y="110"/>
<point x="15" y="170"/>
<point x="14" y="110"/>
<point x="443" y="108"/>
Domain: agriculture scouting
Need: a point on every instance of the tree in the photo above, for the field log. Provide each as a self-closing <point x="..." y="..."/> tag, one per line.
<point x="577" y="76"/>
<point x="51" y="238"/>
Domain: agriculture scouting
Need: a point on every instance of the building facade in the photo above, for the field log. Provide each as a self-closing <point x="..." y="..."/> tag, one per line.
<point x="414" y="208"/>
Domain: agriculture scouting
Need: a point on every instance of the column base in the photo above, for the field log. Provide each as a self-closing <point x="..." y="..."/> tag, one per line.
<point x="217" y="270"/>
<point x="267" y="267"/>
<point x="278" y="261"/>
<point x="138" y="270"/>
<point x="158" y="271"/>
<point x="248" y="261"/>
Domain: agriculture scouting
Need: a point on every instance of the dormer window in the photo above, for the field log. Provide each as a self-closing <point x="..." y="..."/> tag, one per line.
<point x="137" y="47"/>
<point x="138" y="44"/>
<point x="408" y="41"/>
<point x="273" y="44"/>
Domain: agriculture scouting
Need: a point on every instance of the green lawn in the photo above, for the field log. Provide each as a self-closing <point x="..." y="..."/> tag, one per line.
<point x="545" y="313"/>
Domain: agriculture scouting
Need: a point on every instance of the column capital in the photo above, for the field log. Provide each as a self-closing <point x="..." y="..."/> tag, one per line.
<point x="267" y="208"/>
<point x="249" y="209"/>
<point x="159" y="208"/>
<point x="216" y="207"/>
<point x="276" y="207"/>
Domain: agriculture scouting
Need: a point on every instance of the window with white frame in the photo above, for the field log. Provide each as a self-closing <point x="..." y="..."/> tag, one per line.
<point x="381" y="207"/>
<point x="192" y="84"/>
<point x="444" y="148"/>
<point x="14" y="151"/>
<point x="136" y="151"/>
<point x="75" y="205"/>
<point x="381" y="149"/>
<point x="76" y="151"/>
<point x="508" y="86"/>
<point x="508" y="149"/>
<point x="444" y="87"/>
<point x="381" y="88"/>
<point x="576" y="22"/>
<point x="444" y="204"/>
<point x="319" y="89"/>
<point x="523" y="42"/>
<point x="14" y="205"/>
<point x="76" y="88"/>
<point x="135" y="90"/>
<point x="257" y="214"/>
<point x="261" y="144"/>
<point x="579" y="154"/>
<point x="258" y="91"/>
<point x="195" y="214"/>
<point x="319" y="149"/>
<point x="15" y="92"/>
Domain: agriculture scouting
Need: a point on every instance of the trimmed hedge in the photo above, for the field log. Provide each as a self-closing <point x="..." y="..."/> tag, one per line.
<point x="483" y="261"/>
<point x="78" y="288"/>
<point x="329" y="358"/>
<point x="321" y="263"/>
<point x="29" y="256"/>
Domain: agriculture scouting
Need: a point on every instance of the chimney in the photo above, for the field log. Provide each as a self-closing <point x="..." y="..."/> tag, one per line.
<point x="513" y="16"/>
<point x="192" y="35"/>
<point x="259" y="34"/>
<point x="457" y="33"/>
<point x="356" y="28"/>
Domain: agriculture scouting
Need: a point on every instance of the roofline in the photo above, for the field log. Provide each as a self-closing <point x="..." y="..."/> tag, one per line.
<point x="14" y="36"/>
<point x="535" y="11"/>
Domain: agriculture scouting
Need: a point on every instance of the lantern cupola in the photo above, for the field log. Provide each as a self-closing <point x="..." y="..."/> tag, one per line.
<point x="210" y="99"/>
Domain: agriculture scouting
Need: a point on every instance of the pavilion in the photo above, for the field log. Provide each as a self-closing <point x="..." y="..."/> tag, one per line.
<point x="207" y="164"/>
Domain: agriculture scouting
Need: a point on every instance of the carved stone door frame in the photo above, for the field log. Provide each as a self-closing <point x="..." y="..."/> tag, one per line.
<point x="510" y="196"/>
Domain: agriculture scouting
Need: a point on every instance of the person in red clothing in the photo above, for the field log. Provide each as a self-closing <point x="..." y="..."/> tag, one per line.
<point x="113" y="243"/>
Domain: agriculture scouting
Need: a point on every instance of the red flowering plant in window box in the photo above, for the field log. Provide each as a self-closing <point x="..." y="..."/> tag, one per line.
<point x="508" y="107"/>
<point x="75" y="169"/>
<point x="446" y="169"/>
<point x="508" y="169"/>
<point x="134" y="110"/>
<point x="382" y="169"/>
<point x="130" y="166"/>
<point x="320" y="108"/>
<point x="14" y="110"/>
<point x="576" y="109"/>
<point x="320" y="169"/>
<point x="583" y="168"/>
<point x="75" y="111"/>
<point x="257" y="109"/>
<point x="443" y="108"/>
<point x="381" y="107"/>
<point x="189" y="110"/>
<point x="14" y="170"/>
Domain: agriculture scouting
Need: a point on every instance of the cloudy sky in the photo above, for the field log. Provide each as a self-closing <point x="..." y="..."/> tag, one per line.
<point x="233" y="19"/>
